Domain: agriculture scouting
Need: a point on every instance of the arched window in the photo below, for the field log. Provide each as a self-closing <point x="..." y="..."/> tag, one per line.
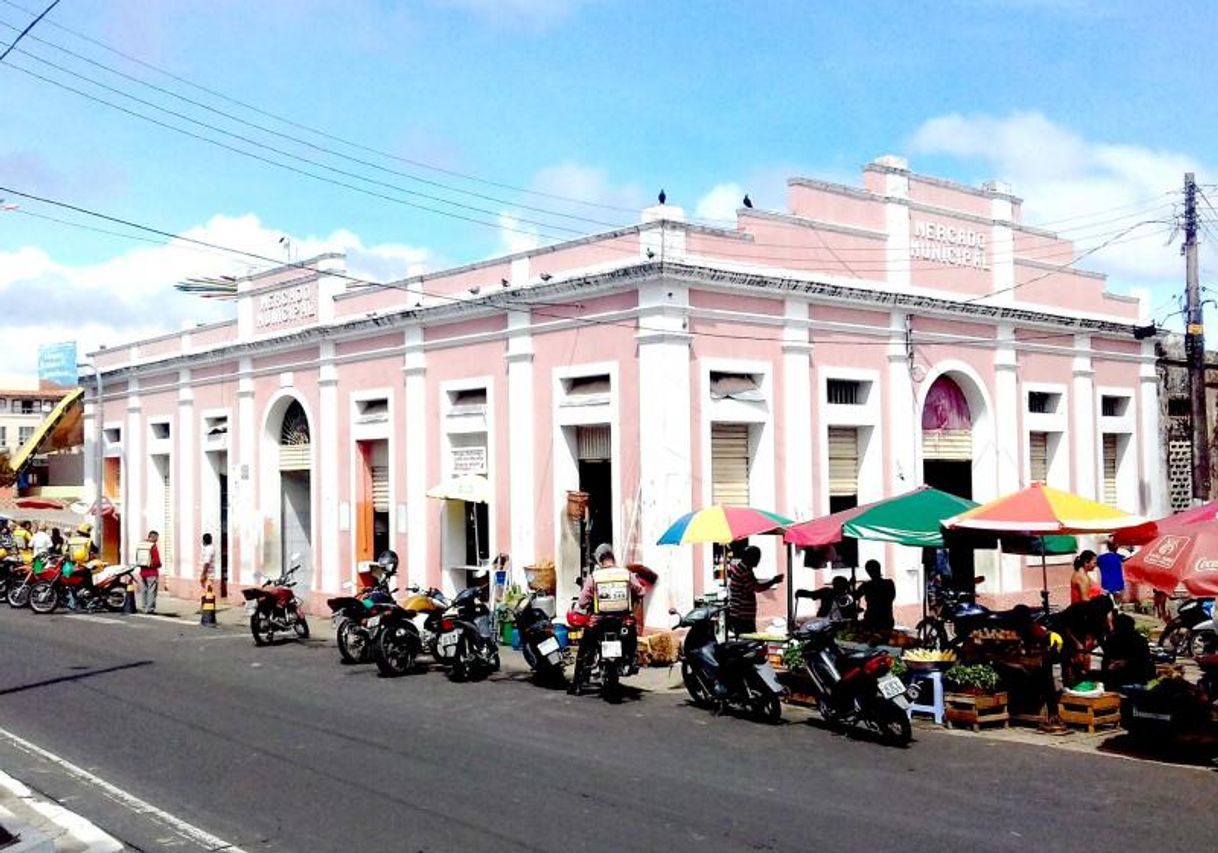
<point x="295" y="429"/>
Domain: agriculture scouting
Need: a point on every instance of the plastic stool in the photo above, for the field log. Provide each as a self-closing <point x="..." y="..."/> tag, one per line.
<point x="935" y="708"/>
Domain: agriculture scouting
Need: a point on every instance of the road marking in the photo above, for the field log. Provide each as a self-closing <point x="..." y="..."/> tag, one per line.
<point x="105" y="620"/>
<point x="192" y="833"/>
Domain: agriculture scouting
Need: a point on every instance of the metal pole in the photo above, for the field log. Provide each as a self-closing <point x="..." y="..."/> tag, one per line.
<point x="98" y="458"/>
<point x="790" y="590"/>
<point x="1195" y="346"/>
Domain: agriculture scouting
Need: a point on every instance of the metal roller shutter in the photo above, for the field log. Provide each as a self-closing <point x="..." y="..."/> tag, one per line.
<point x="730" y="464"/>
<point x="947" y="444"/>
<point x="593" y="443"/>
<point x="1110" y="469"/>
<point x="843" y="461"/>
<point x="1038" y="455"/>
<point x="380" y="488"/>
<point x="294" y="457"/>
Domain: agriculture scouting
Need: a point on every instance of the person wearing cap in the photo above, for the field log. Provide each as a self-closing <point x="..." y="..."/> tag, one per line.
<point x="600" y="595"/>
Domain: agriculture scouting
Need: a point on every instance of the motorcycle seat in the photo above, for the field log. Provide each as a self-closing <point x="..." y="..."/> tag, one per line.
<point x="738" y="648"/>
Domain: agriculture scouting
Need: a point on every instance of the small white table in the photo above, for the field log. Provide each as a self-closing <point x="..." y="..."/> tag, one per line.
<point x="935" y="707"/>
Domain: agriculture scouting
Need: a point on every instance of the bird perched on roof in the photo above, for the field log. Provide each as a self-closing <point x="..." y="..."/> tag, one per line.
<point x="650" y="254"/>
<point x="748" y="202"/>
<point x="663" y="197"/>
<point x="475" y="290"/>
<point x="545" y="276"/>
<point x="505" y="282"/>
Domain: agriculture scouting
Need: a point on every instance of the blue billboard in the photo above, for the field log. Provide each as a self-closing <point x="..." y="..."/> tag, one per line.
<point x="57" y="365"/>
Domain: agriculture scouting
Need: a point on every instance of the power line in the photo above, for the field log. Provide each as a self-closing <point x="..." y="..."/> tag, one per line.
<point x="28" y="27"/>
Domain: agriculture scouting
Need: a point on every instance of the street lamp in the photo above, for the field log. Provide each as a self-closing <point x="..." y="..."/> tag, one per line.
<point x="97" y="451"/>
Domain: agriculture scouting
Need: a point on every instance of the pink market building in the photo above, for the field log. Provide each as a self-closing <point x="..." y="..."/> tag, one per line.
<point x="864" y="341"/>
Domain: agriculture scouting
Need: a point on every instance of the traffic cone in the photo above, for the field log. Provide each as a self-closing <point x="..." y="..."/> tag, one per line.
<point x="208" y="607"/>
<point x="129" y="600"/>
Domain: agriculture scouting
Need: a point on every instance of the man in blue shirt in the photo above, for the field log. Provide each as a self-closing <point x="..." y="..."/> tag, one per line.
<point x="1112" y="574"/>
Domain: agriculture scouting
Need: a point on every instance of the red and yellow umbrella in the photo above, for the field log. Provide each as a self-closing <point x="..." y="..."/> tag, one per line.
<point x="1042" y="510"/>
<point x="722" y="524"/>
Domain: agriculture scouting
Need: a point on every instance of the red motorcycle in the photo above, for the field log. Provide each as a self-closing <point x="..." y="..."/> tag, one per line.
<point x="75" y="584"/>
<point x="274" y="607"/>
<point x="21" y="583"/>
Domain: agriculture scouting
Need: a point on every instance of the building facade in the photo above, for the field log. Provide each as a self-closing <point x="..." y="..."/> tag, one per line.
<point x="1176" y="419"/>
<point x="864" y="341"/>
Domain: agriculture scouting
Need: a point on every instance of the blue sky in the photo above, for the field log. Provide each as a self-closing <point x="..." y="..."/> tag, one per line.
<point x="1084" y="107"/>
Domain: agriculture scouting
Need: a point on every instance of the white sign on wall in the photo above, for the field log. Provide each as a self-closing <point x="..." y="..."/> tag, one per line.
<point x="469" y="460"/>
<point x="947" y="244"/>
<point x="286" y="306"/>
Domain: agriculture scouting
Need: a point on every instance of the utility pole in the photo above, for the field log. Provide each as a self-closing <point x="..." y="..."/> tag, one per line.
<point x="1195" y="346"/>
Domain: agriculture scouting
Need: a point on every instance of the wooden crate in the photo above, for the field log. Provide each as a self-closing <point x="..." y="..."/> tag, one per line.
<point x="976" y="711"/>
<point x="1091" y="712"/>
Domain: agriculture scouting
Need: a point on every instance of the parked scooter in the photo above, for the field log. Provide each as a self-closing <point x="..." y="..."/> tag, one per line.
<point x="955" y="614"/>
<point x="538" y="643"/>
<point x="398" y="638"/>
<point x="274" y="607"/>
<point x="606" y="653"/>
<point x="23" y="579"/>
<point x="854" y="688"/>
<point x="10" y="567"/>
<point x="351" y="614"/>
<point x="466" y="643"/>
<point x="105" y="591"/>
<point x="736" y="673"/>
<point x="1192" y="630"/>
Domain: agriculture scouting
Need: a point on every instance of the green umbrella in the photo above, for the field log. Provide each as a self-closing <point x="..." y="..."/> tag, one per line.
<point x="913" y="518"/>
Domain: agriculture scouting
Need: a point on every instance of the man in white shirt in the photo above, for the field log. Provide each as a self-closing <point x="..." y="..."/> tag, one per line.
<point x="41" y="543"/>
<point x="207" y="561"/>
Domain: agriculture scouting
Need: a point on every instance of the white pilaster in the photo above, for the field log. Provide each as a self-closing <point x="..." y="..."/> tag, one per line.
<point x="1001" y="251"/>
<point x="93" y="419"/>
<point x="241" y="488"/>
<point x="135" y="469"/>
<point x="1153" y="503"/>
<point x="414" y="371"/>
<point x="1087" y="447"/>
<point x="187" y="499"/>
<point x="896" y="225"/>
<point x="665" y="459"/>
<point x="797" y="410"/>
<point x="1008" y="406"/>
<point x="329" y="575"/>
<point x="523" y="509"/>
<point x="903" y="424"/>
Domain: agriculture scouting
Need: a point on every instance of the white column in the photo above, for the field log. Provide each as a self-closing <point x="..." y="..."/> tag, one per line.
<point x="1087" y="446"/>
<point x="329" y="575"/>
<point x="414" y="371"/>
<point x="665" y="459"/>
<point x="1001" y="251"/>
<point x="186" y="456"/>
<point x="242" y="494"/>
<point x="896" y="224"/>
<point x="135" y="470"/>
<point x="903" y="423"/>
<point x="93" y="419"/>
<point x="1149" y="437"/>
<point x="523" y="502"/>
<point x="1008" y="406"/>
<point x="797" y="410"/>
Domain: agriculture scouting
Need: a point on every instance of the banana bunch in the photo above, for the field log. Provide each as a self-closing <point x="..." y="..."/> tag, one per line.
<point x="928" y="656"/>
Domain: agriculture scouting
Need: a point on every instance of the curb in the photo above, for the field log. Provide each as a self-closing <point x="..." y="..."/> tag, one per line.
<point x="44" y="826"/>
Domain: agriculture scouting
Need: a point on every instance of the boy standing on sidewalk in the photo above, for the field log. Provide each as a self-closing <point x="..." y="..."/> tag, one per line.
<point x="150" y="574"/>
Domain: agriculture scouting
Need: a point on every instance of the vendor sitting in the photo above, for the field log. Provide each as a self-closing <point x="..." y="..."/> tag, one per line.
<point x="835" y="601"/>
<point x="1126" y="655"/>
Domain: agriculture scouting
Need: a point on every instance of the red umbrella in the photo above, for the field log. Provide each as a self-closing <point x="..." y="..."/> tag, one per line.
<point x="1144" y="533"/>
<point x="39" y="503"/>
<point x="1184" y="550"/>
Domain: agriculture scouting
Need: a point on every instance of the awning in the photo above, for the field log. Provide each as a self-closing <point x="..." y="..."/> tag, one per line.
<point x="63" y="427"/>
<point x="473" y="488"/>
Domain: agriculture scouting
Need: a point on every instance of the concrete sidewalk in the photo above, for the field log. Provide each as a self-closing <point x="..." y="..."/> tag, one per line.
<point x="43" y="826"/>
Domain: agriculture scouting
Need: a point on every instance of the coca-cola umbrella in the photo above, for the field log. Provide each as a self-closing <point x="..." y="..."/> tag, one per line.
<point x="1184" y="552"/>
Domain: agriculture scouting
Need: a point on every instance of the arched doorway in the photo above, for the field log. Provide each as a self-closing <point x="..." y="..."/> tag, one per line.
<point x="288" y="483"/>
<point x="947" y="462"/>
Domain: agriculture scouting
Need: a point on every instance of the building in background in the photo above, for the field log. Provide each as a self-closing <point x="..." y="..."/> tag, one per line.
<point x="1176" y="416"/>
<point x="851" y="347"/>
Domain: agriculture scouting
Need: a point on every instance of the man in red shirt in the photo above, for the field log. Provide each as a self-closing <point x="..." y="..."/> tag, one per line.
<point x="151" y="573"/>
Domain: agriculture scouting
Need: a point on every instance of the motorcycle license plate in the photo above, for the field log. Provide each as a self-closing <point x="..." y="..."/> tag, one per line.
<point x="447" y="641"/>
<point x="250" y="607"/>
<point x="548" y="646"/>
<point x="611" y="648"/>
<point x="373" y="622"/>
<point x="891" y="686"/>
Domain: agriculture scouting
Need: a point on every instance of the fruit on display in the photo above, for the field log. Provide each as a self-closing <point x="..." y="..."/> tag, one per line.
<point x="929" y="656"/>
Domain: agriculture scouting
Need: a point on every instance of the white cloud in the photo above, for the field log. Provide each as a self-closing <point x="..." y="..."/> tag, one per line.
<point x="515" y="236"/>
<point x="131" y="295"/>
<point x="1087" y="190"/>
<point x="720" y="204"/>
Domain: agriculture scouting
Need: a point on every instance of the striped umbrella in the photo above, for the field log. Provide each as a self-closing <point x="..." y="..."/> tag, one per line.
<point x="722" y="524"/>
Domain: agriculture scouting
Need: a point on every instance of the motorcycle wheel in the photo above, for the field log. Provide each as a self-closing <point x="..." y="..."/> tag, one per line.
<point x="43" y="598"/>
<point x="460" y="669"/>
<point x="19" y="596"/>
<point x="765" y="706"/>
<point x="394" y="655"/>
<point x="114" y="600"/>
<point x="611" y="685"/>
<point x="1174" y="637"/>
<point x="260" y="627"/>
<point x="931" y="635"/>
<point x="893" y="724"/>
<point x="302" y="626"/>
<point x="698" y="694"/>
<point x="352" y="643"/>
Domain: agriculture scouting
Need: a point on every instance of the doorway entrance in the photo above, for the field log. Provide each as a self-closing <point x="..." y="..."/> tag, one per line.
<point x="595" y="462"/>
<point x="372" y="499"/>
<point x="295" y="487"/>
<point x="947" y="462"/>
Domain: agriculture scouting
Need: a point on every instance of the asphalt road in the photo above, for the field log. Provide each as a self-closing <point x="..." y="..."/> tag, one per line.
<point x="284" y="749"/>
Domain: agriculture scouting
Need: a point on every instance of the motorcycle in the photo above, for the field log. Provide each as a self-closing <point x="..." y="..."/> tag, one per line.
<point x="10" y="566"/>
<point x="351" y="614"/>
<point x="397" y="638"/>
<point x="1192" y="630"/>
<point x="606" y="652"/>
<point x="105" y="591"/>
<point x="23" y="579"/>
<point x="854" y="688"/>
<point x="736" y="673"/>
<point x="466" y="643"/>
<point x="274" y="607"/>
<point x="538" y="643"/>
<point x="955" y="614"/>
